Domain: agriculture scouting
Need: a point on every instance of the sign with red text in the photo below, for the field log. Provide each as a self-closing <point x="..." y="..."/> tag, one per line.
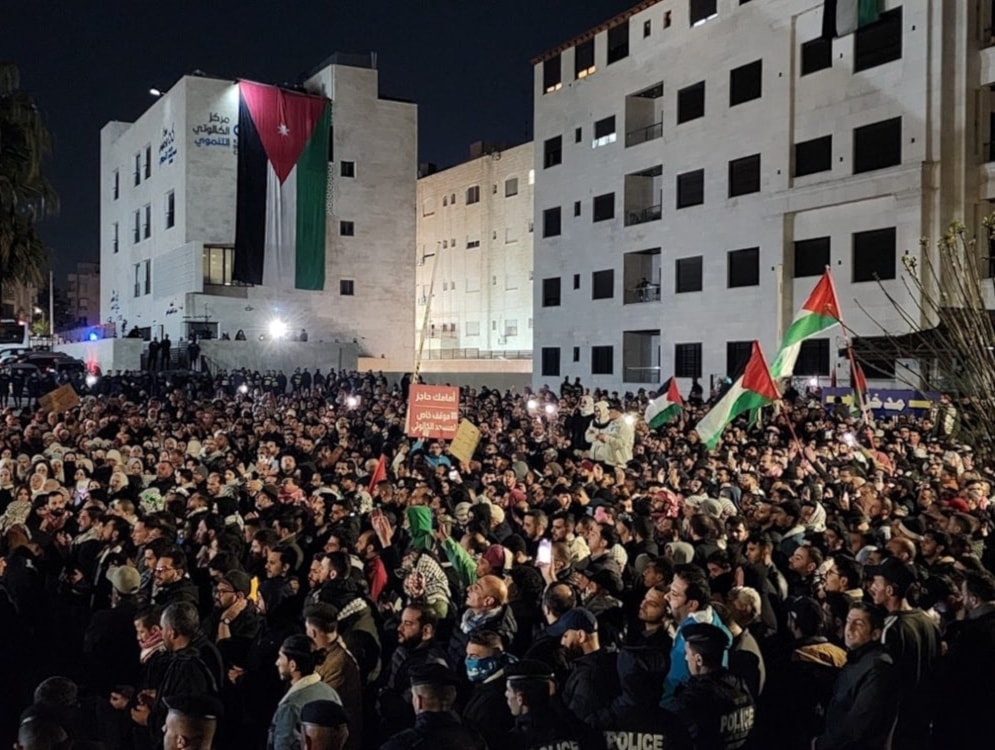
<point x="433" y="411"/>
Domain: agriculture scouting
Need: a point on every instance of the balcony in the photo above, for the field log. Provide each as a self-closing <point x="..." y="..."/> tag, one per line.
<point x="642" y="135"/>
<point x="646" y="292"/>
<point x="641" y="356"/>
<point x="642" y="215"/>
<point x="641" y="277"/>
<point x="642" y="375"/>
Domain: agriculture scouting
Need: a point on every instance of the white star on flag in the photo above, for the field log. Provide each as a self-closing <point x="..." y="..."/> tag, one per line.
<point x="283" y="129"/>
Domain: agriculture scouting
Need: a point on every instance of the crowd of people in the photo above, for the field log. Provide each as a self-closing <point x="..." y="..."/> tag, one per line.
<point x="254" y="560"/>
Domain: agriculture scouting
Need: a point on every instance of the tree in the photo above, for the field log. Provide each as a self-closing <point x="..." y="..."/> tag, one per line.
<point x="25" y="195"/>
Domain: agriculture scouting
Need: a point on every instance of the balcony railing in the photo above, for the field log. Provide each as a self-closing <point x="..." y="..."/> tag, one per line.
<point x="647" y="374"/>
<point x="472" y="353"/>
<point x="642" y="293"/>
<point x="641" y="135"/>
<point x="642" y="215"/>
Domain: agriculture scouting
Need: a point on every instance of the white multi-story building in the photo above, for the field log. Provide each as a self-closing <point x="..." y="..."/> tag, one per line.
<point x="84" y="294"/>
<point x="473" y="271"/>
<point x="168" y="191"/>
<point x="700" y="162"/>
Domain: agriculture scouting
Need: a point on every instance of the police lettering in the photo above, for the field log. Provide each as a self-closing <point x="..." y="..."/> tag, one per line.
<point x="739" y="721"/>
<point x="562" y="745"/>
<point x="634" y="741"/>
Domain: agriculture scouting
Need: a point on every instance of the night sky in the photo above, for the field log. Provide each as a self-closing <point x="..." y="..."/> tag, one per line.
<point x="86" y="62"/>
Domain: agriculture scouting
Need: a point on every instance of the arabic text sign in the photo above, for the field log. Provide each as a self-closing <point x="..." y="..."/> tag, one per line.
<point x="465" y="442"/>
<point x="61" y="399"/>
<point x="433" y="411"/>
<point x="885" y="403"/>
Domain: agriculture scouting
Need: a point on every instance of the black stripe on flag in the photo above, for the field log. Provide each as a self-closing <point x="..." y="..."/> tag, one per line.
<point x="250" y="207"/>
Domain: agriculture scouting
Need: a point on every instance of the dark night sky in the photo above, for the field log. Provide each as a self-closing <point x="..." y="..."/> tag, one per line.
<point x="465" y="62"/>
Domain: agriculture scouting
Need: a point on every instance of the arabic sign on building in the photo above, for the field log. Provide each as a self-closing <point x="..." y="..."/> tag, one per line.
<point x="433" y="411"/>
<point x="885" y="403"/>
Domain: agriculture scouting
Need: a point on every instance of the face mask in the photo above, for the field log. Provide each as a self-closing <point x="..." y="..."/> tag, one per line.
<point x="478" y="670"/>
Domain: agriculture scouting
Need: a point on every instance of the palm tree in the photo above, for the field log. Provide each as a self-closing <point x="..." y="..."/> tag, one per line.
<point x="25" y="195"/>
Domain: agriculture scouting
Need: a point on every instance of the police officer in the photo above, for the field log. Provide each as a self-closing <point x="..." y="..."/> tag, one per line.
<point x="541" y="722"/>
<point x="715" y="705"/>
<point x="437" y="726"/>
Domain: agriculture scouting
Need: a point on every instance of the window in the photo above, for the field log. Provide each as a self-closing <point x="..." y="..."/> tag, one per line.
<point x="551" y="222"/>
<point x="347" y="287"/>
<point x="147" y="286"/>
<point x="603" y="284"/>
<point x="472" y="244"/>
<point x="877" y="145"/>
<point x="347" y="229"/>
<point x="576" y="354"/>
<point x="473" y="194"/>
<point x="148" y="161"/>
<point x="576" y="208"/>
<point x="701" y="10"/>
<point x="687" y="360"/>
<point x="578" y="135"/>
<point x="473" y="328"/>
<point x="814" y="156"/>
<point x="348" y="169"/>
<point x="510" y="187"/>
<point x="602" y="360"/>
<point x="116" y="184"/>
<point x="817" y="54"/>
<point x="618" y="42"/>
<point x="604" y="207"/>
<point x="691" y="103"/>
<point x="138" y="283"/>
<point x="647" y="28"/>
<point x="879" y="368"/>
<point x="147" y="224"/>
<point x="745" y="83"/>
<point x="691" y="188"/>
<point x="744" y="176"/>
<point x="551" y="292"/>
<point x="551" y="75"/>
<point x="604" y="132"/>
<point x="576" y="281"/>
<point x="136" y="227"/>
<point x="813" y="358"/>
<point x="744" y="267"/>
<point x="584" y="59"/>
<point x="688" y="273"/>
<point x="138" y="171"/>
<point x="445" y="202"/>
<point x="218" y="265"/>
<point x="811" y="257"/>
<point x="116" y="237"/>
<point x="510" y="328"/>
<point x="170" y="209"/>
<point x="551" y="361"/>
<point x="428" y="206"/>
<point x="874" y="255"/>
<point x="737" y="355"/>
<point x="878" y="43"/>
<point x="552" y="152"/>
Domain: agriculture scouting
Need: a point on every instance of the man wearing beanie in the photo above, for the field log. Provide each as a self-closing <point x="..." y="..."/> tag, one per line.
<point x="296" y="663"/>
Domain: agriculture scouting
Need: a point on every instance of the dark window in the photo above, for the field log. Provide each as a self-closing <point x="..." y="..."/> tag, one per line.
<point x="691" y="188"/>
<point x="618" y="42"/>
<point x="811" y="257"/>
<point x="602" y="360"/>
<point x="347" y="228"/>
<point x="148" y="162"/>
<point x="813" y="358"/>
<point x="348" y="169"/>
<point x="814" y="156"/>
<point x="147" y="224"/>
<point x="578" y="134"/>
<point x="737" y="355"/>
<point x="874" y="255"/>
<point x="687" y="360"/>
<point x="691" y="102"/>
<point x="551" y="292"/>
<point x="551" y="222"/>
<point x="878" y="43"/>
<point x="576" y="281"/>
<point x="576" y="208"/>
<point x="117" y="184"/>
<point x="346" y="287"/>
<point x="744" y="176"/>
<point x="877" y="145"/>
<point x="583" y="58"/>
<point x="744" y="267"/>
<point x="688" y="272"/>
<point x="576" y="354"/>
<point x="605" y="127"/>
<point x="700" y="10"/>
<point x="603" y="284"/>
<point x="745" y="83"/>
<point x="551" y="75"/>
<point x="170" y="209"/>
<point x="551" y="360"/>
<point x="510" y="187"/>
<point x="817" y="54"/>
<point x="472" y="195"/>
<point x="552" y="152"/>
<point x="331" y="144"/>
<point x="647" y="28"/>
<point x="880" y="368"/>
<point x="604" y="207"/>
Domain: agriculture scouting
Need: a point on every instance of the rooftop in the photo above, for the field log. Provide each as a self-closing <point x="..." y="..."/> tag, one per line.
<point x="591" y="33"/>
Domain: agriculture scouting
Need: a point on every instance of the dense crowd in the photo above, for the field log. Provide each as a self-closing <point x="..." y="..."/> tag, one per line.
<point x="256" y="560"/>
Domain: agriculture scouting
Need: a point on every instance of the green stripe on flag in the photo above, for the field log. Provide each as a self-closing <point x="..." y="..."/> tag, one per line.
<point x="312" y="191"/>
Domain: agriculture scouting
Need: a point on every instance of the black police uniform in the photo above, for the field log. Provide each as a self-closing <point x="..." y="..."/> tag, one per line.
<point x="717" y="709"/>
<point x="436" y="730"/>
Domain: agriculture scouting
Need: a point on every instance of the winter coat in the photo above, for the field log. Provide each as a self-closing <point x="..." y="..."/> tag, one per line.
<point x="862" y="711"/>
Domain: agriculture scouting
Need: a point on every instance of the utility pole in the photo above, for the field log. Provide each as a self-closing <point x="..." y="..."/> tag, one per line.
<point x="51" y="307"/>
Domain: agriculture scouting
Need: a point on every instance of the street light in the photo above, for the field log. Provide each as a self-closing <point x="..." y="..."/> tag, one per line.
<point x="277" y="329"/>
<point x="155" y="92"/>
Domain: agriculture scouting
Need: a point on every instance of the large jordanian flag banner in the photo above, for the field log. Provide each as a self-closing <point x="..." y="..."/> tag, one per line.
<point x="282" y="187"/>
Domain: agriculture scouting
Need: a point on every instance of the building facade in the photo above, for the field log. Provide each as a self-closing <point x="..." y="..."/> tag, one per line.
<point x="700" y="162"/>
<point x="473" y="271"/>
<point x="84" y="294"/>
<point x="168" y="193"/>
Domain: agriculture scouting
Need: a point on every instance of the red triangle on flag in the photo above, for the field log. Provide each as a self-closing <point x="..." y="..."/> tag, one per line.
<point x="822" y="300"/>
<point x="757" y="378"/>
<point x="673" y="394"/>
<point x="284" y="121"/>
<point x="379" y="473"/>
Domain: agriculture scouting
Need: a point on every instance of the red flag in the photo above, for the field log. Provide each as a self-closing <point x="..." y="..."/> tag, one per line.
<point x="379" y="473"/>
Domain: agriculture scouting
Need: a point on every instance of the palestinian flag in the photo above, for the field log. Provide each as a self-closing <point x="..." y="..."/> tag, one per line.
<point x="842" y="17"/>
<point x="755" y="389"/>
<point x="820" y="312"/>
<point x="282" y="185"/>
<point x="859" y="385"/>
<point x="664" y="407"/>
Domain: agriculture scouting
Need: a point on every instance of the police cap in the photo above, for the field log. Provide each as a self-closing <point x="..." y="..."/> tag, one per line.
<point x="705" y="637"/>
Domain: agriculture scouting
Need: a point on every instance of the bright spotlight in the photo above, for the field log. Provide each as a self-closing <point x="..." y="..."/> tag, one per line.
<point x="277" y="329"/>
<point x="813" y="381"/>
<point x="532" y="404"/>
<point x="629" y="419"/>
<point x="92" y="336"/>
<point x="352" y="401"/>
<point x="91" y="380"/>
<point x="243" y="389"/>
<point x="550" y="409"/>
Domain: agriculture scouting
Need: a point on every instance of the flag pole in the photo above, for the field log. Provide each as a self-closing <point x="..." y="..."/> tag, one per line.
<point x="416" y="378"/>
<point x="849" y="348"/>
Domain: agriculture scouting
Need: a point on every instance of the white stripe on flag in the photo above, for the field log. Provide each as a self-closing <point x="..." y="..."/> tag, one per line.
<point x="280" y="259"/>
